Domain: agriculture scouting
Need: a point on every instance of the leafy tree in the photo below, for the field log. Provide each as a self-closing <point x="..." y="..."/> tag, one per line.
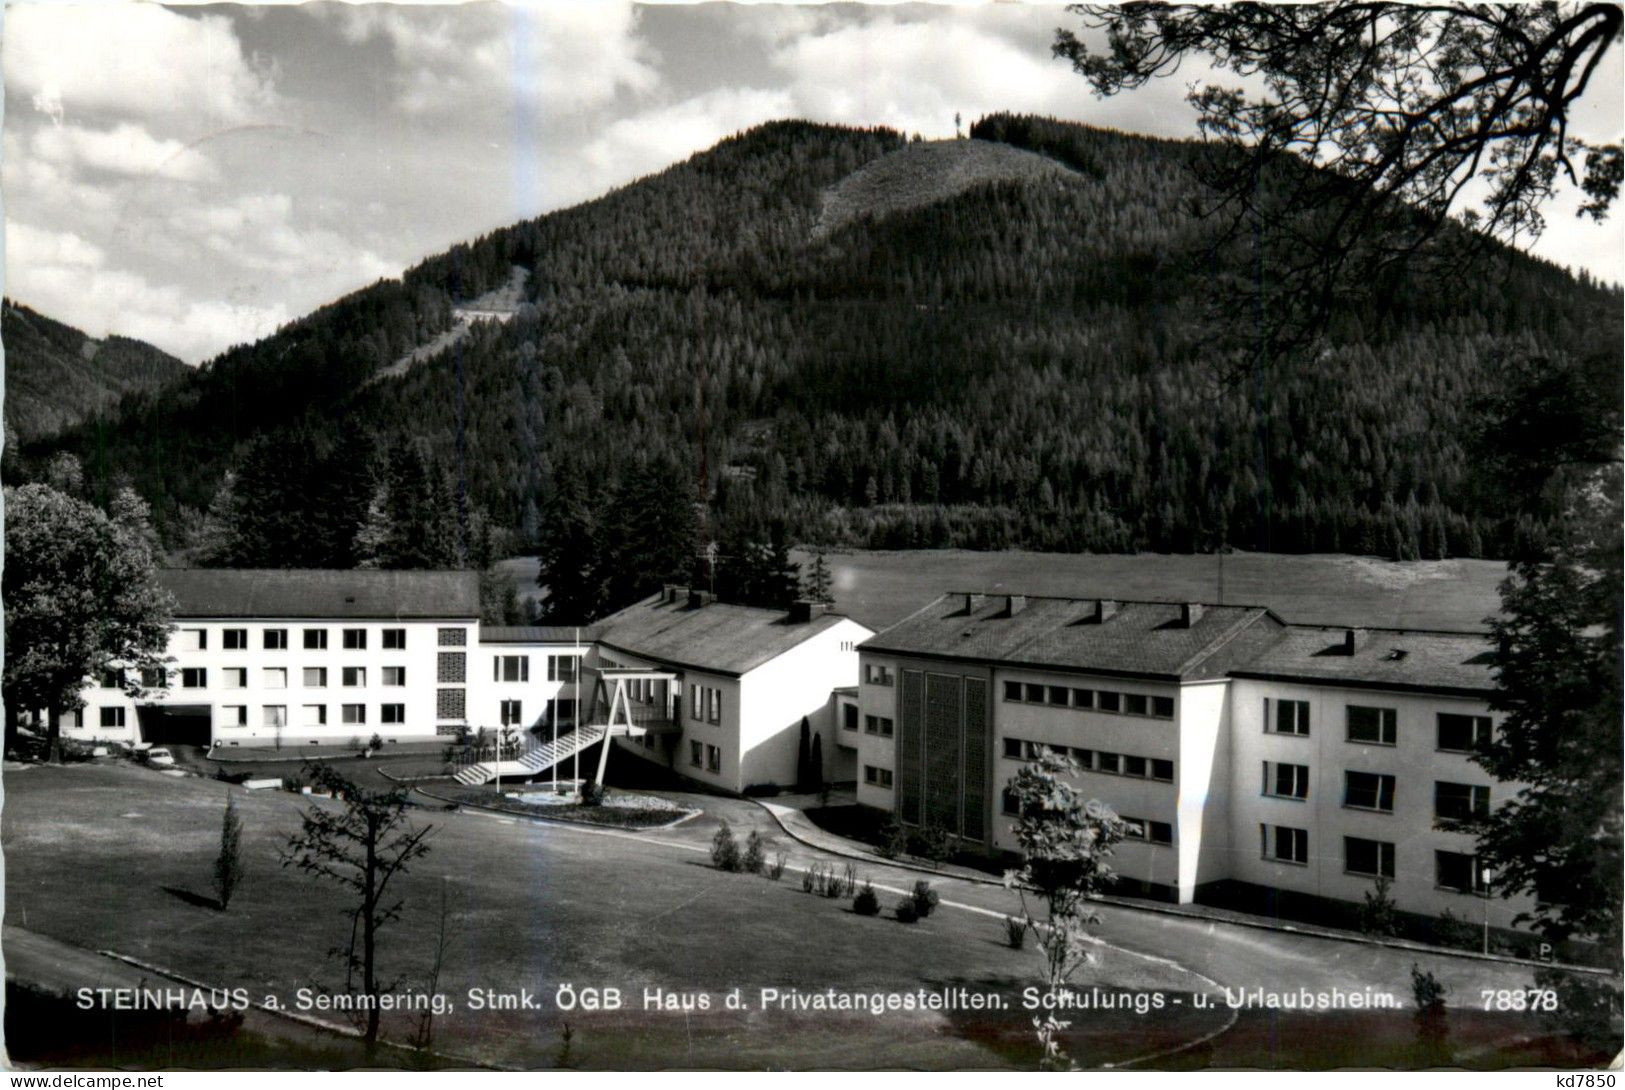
<point x="228" y="865"/>
<point x="81" y="597"/>
<point x="362" y="847"/>
<point x="1363" y="125"/>
<point x="1066" y="845"/>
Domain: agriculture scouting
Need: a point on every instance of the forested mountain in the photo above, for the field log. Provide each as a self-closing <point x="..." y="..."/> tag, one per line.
<point x="1022" y="362"/>
<point x="56" y="376"/>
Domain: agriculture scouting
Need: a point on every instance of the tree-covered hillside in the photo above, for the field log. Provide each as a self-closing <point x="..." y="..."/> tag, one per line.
<point x="56" y="376"/>
<point x="1027" y="362"/>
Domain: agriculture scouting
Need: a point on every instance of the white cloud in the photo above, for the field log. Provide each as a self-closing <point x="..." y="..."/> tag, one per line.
<point x="655" y="139"/>
<point x="126" y="149"/>
<point x="132" y="60"/>
<point x="566" y="56"/>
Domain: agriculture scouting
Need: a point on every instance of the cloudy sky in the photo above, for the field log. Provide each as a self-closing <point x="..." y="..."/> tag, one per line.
<point x="195" y="176"/>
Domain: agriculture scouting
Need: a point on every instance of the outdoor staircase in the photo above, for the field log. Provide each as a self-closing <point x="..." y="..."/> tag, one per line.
<point x="537" y="758"/>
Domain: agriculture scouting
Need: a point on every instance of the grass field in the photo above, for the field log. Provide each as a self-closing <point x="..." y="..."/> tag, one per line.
<point x="880" y="588"/>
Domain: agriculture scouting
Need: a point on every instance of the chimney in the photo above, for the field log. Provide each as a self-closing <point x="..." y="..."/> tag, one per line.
<point x="673" y="592"/>
<point x="973" y="602"/>
<point x="1105" y="609"/>
<point x="1353" y="639"/>
<point x="1189" y="613"/>
<point x="803" y="610"/>
<point x="1014" y="604"/>
<point x="700" y="598"/>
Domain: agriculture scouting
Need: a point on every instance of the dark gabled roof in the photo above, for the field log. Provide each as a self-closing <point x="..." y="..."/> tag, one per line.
<point x="531" y="633"/>
<point x="1383" y="658"/>
<point x="717" y="637"/>
<point x="316" y="594"/>
<point x="1139" y="639"/>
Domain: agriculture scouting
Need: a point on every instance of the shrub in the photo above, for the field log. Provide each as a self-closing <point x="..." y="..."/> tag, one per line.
<point x="809" y="878"/>
<point x="1432" y="1029"/>
<point x="228" y="865"/>
<point x="725" y="849"/>
<point x="755" y="856"/>
<point x="375" y="743"/>
<point x="1451" y="930"/>
<point x="906" y="912"/>
<point x="592" y="794"/>
<point x="925" y="899"/>
<point x="775" y="869"/>
<point x="866" y="903"/>
<point x="1377" y="914"/>
<point x="893" y="838"/>
<point x="1015" y="932"/>
<point x="932" y="843"/>
<point x="839" y="885"/>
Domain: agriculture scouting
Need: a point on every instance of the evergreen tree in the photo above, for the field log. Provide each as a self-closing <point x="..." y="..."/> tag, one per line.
<point x="819" y="585"/>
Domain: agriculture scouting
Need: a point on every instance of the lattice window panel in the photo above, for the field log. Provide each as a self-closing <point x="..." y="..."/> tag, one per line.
<point x="976" y="747"/>
<point x="910" y="727"/>
<point x="453" y="637"/>
<point x="453" y="667"/>
<point x="942" y="732"/>
<point x="451" y="704"/>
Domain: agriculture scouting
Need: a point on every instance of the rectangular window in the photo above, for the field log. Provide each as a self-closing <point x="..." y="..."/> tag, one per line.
<point x="315" y="715"/>
<point x="394" y="714"/>
<point x="112" y="718"/>
<point x="1109" y="701"/>
<point x="315" y="639"/>
<point x="510" y="668"/>
<point x="1284" y="844"/>
<point x="878" y="725"/>
<point x="1135" y="704"/>
<point x="1035" y="694"/>
<point x="511" y="715"/>
<point x="355" y="639"/>
<point x="1368" y="791"/>
<point x="1373" y="858"/>
<point x="112" y="679"/>
<point x="315" y="677"/>
<point x="275" y="677"/>
<point x="395" y="675"/>
<point x="849" y="717"/>
<point x="1162" y="770"/>
<point x="563" y="667"/>
<point x="1291" y="717"/>
<point x="1459" y="872"/>
<point x="1083" y="698"/>
<point x="1133" y="828"/>
<point x="276" y="639"/>
<point x="1159" y="832"/>
<point x="394" y="639"/>
<point x="193" y="639"/>
<point x="1110" y="762"/>
<point x="1060" y="695"/>
<point x="713" y="759"/>
<point x="1286" y="781"/>
<point x="1463" y="733"/>
<point x="1012" y="691"/>
<point x="1134" y="766"/>
<point x="154" y="677"/>
<point x="354" y="676"/>
<point x="1012" y="748"/>
<point x="274" y="716"/>
<point x="1162" y="707"/>
<point x="234" y="715"/>
<point x="1010" y="803"/>
<point x="234" y="677"/>
<point x="1460" y="801"/>
<point x="1086" y="758"/>
<point x="194" y="677"/>
<point x="452" y="667"/>
<point x="877" y="777"/>
<point x="696" y="754"/>
<point x="354" y="714"/>
<point x="1372" y="726"/>
<point x="234" y="639"/>
<point x="713" y="706"/>
<point x="453" y="637"/>
<point x="876" y="674"/>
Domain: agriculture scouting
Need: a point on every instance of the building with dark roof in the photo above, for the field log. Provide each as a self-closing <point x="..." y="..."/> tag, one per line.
<point x="1240" y="750"/>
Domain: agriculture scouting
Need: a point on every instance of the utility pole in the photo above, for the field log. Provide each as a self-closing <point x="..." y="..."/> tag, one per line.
<point x="1485" y="874"/>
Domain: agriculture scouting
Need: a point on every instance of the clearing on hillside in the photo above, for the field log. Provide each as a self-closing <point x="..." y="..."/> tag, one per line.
<point x="930" y="171"/>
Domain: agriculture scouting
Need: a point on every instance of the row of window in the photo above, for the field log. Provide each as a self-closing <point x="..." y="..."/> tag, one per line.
<point x="517" y="667"/>
<point x="1371" y="858"/>
<point x="879" y="725"/>
<point x="1375" y="791"/>
<point x="1456" y="733"/>
<point x="1094" y="760"/>
<point x="276" y="639"/>
<point x="704" y="755"/>
<point x="271" y="677"/>
<point x="275" y="716"/>
<point x="1152" y="832"/>
<point x="1099" y="700"/>
<point x="877" y="777"/>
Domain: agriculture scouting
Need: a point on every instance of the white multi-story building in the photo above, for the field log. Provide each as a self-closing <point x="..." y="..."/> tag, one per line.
<point x="716" y="692"/>
<point x="1239" y="748"/>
